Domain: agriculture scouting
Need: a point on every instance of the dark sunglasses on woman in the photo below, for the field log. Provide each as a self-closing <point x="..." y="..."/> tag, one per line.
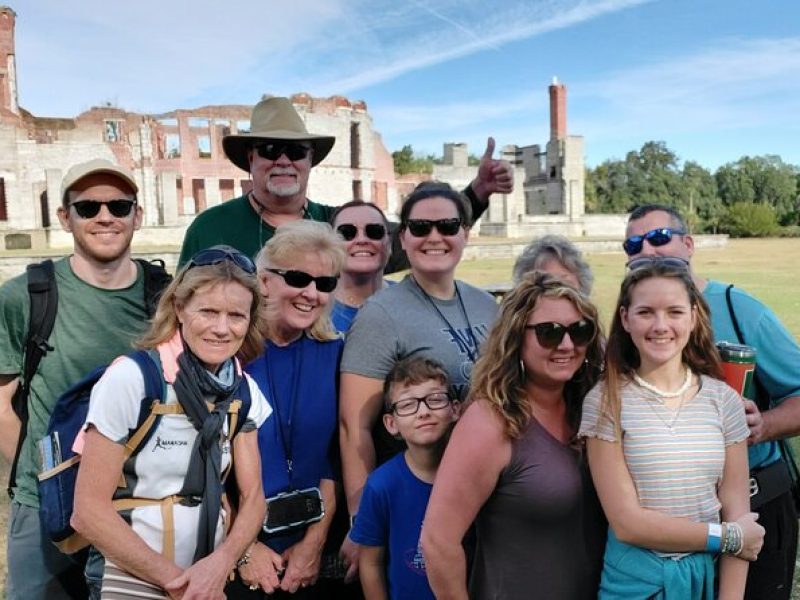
<point x="301" y="279"/>
<point x="374" y="231"/>
<point x="216" y="255"/>
<point x="273" y="151"/>
<point x="655" y="237"/>
<point x="550" y="334"/>
<point x="423" y="227"/>
<point x="89" y="209"/>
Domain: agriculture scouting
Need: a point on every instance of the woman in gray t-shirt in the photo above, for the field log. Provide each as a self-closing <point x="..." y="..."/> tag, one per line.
<point x="428" y="313"/>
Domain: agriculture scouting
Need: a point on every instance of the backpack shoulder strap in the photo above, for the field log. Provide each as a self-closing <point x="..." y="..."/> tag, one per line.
<point x="155" y="394"/>
<point x="156" y="278"/>
<point x="244" y="408"/>
<point x="43" y="296"/>
<point x="734" y="320"/>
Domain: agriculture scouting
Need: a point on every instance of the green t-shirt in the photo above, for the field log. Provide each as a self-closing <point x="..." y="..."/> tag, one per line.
<point x="236" y="224"/>
<point x="93" y="326"/>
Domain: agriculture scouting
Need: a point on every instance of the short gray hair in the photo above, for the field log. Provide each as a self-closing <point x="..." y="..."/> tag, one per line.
<point x="559" y="248"/>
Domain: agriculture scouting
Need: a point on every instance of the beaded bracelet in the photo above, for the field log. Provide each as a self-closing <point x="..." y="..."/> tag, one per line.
<point x="734" y="539"/>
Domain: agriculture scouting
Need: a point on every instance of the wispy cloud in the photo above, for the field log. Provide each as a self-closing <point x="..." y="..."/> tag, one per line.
<point x="498" y="23"/>
<point x="153" y="55"/>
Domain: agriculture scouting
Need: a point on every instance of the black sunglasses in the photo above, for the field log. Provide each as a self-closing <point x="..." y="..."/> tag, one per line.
<point x="423" y="227"/>
<point x="651" y="261"/>
<point x="88" y="209"/>
<point x="550" y="335"/>
<point x="656" y="237"/>
<point x="301" y="279"/>
<point x="292" y="150"/>
<point x="374" y="231"/>
<point x="214" y="256"/>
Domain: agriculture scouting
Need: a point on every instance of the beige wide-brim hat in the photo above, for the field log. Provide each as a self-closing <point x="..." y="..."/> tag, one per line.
<point x="92" y="167"/>
<point x="274" y="119"/>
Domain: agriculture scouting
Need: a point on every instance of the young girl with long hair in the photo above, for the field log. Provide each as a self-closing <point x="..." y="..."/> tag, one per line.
<point x="666" y="441"/>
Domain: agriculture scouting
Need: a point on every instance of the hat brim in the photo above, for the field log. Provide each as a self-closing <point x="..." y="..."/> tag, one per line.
<point x="236" y="146"/>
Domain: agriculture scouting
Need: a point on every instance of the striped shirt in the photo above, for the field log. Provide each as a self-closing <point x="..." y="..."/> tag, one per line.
<point x="675" y="456"/>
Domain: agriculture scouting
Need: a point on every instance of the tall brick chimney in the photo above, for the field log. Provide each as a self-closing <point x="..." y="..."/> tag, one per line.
<point x="8" y="68"/>
<point x="558" y="110"/>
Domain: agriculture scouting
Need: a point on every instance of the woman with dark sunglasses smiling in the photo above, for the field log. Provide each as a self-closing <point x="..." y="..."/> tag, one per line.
<point x="428" y="312"/>
<point x="295" y="554"/>
<point x="364" y="228"/>
<point x="513" y="464"/>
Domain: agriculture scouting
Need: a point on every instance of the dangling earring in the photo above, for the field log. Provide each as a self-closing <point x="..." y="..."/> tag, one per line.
<point x="522" y="369"/>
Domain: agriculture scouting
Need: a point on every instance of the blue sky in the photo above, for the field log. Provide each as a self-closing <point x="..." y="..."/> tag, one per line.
<point x="714" y="79"/>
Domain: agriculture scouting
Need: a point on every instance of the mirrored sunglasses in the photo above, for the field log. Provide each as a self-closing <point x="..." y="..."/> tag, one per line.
<point x="423" y="227"/>
<point x="650" y="261"/>
<point x="374" y="231"/>
<point x="410" y="406"/>
<point x="655" y="237"/>
<point x="273" y="151"/>
<point x="88" y="209"/>
<point x="550" y="334"/>
<point x="214" y="256"/>
<point x="301" y="279"/>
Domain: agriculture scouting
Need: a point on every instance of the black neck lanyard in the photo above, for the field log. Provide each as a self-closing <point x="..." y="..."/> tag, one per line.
<point x="286" y="440"/>
<point x="470" y="352"/>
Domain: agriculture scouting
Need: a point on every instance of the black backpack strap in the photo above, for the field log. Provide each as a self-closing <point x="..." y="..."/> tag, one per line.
<point x="43" y="295"/>
<point x="156" y="278"/>
<point x="734" y="320"/>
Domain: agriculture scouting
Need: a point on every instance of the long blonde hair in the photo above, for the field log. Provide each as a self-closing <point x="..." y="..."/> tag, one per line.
<point x="622" y="357"/>
<point x="291" y="242"/>
<point x="498" y="378"/>
<point x="187" y="282"/>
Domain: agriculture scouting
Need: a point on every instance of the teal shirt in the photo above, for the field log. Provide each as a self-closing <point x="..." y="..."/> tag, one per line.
<point x="236" y="224"/>
<point x="93" y="326"/>
<point x="777" y="352"/>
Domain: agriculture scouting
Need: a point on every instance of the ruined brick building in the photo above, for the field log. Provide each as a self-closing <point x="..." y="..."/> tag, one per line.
<point x="178" y="162"/>
<point x="176" y="157"/>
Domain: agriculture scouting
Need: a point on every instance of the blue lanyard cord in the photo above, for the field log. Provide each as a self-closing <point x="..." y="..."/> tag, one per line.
<point x="286" y="439"/>
<point x="470" y="352"/>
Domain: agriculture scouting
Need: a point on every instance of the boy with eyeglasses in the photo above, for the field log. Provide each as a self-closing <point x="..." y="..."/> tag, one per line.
<point x="101" y="309"/>
<point x="420" y="411"/>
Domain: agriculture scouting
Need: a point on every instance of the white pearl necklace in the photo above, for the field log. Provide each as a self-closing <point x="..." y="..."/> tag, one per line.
<point x="687" y="383"/>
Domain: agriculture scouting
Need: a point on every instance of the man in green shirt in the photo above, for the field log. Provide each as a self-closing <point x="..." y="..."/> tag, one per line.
<point x="101" y="310"/>
<point x="279" y="154"/>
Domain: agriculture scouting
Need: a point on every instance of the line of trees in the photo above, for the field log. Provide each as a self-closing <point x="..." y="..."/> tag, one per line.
<point x="753" y="196"/>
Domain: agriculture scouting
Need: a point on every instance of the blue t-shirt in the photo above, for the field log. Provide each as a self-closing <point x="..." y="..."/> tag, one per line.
<point x="390" y="515"/>
<point x="342" y="316"/>
<point x="300" y="381"/>
<point x="777" y="358"/>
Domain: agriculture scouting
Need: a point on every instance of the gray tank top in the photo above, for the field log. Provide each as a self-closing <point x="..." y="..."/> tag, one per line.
<point x="541" y="534"/>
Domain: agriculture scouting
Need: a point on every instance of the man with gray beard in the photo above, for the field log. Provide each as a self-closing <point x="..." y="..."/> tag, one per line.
<point x="279" y="154"/>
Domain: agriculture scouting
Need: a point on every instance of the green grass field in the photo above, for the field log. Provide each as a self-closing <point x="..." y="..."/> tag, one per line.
<point x="767" y="268"/>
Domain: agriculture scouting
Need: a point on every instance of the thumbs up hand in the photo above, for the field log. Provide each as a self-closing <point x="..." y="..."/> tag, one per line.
<point x="494" y="176"/>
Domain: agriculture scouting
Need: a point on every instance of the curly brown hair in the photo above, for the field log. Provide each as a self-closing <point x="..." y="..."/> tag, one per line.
<point x="497" y="378"/>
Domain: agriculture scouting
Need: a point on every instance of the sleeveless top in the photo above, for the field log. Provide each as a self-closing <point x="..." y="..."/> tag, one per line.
<point x="542" y="531"/>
